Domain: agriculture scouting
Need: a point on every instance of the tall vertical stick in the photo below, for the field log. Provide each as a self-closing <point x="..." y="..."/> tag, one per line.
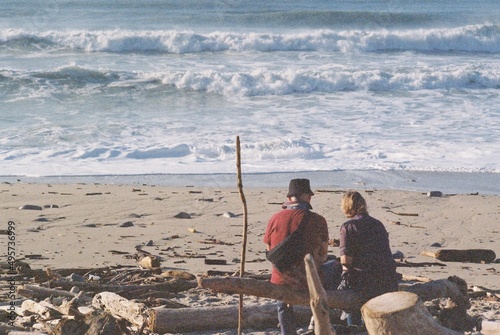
<point x="245" y="227"/>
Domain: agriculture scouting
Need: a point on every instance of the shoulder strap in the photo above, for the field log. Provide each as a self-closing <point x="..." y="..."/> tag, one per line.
<point x="305" y="219"/>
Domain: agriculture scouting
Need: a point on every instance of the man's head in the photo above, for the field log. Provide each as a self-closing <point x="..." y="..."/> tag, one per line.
<point x="300" y="189"/>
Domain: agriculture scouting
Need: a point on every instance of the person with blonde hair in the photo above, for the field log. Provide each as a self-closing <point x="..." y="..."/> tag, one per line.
<point x="365" y="254"/>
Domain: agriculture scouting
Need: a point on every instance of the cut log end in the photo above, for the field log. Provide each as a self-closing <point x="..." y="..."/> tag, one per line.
<point x="400" y="313"/>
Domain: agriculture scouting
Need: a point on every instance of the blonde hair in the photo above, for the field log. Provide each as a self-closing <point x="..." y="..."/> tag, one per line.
<point x="353" y="204"/>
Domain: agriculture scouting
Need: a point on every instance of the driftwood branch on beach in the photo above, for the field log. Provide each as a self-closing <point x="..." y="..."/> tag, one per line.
<point x="467" y="255"/>
<point x="343" y="299"/>
<point x="318" y="300"/>
<point x="127" y="301"/>
<point x="167" y="320"/>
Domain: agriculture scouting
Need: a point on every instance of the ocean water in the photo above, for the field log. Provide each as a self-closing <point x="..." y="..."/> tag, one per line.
<point x="140" y="87"/>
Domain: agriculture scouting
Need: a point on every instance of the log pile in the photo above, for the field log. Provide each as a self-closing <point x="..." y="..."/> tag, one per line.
<point x="133" y="300"/>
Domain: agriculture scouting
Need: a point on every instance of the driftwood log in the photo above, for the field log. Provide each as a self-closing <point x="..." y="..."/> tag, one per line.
<point x="39" y="292"/>
<point x="318" y="300"/>
<point x="342" y="299"/>
<point x="459" y="255"/>
<point x="400" y="313"/>
<point x="168" y="320"/>
<point x="173" y="285"/>
<point x="43" y="309"/>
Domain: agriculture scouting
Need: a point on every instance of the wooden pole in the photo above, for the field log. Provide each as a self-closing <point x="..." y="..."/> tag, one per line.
<point x="245" y="228"/>
<point x="318" y="299"/>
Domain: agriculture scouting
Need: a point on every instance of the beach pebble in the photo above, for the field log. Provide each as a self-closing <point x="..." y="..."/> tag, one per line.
<point x="41" y="220"/>
<point x="182" y="215"/>
<point x="150" y="243"/>
<point x="50" y="206"/>
<point x="229" y="215"/>
<point x="398" y="255"/>
<point x="94" y="278"/>
<point x="435" y="194"/>
<point x="31" y="207"/>
<point x="76" y="277"/>
<point x="90" y="225"/>
<point x="436" y="245"/>
<point x="126" y="224"/>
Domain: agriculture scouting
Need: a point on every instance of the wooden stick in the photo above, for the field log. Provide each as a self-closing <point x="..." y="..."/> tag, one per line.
<point x="245" y="228"/>
<point x="318" y="300"/>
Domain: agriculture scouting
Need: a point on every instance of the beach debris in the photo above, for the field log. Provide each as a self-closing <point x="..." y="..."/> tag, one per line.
<point x="76" y="277"/>
<point x="405" y="263"/>
<point x="214" y="241"/>
<point x="403" y="312"/>
<point x="92" y="277"/>
<point x="126" y="224"/>
<point x="229" y="215"/>
<point x="398" y="255"/>
<point x="192" y="230"/>
<point x="94" y="193"/>
<point x="215" y="261"/>
<point x="435" y="194"/>
<point x="466" y="255"/>
<point x="182" y="215"/>
<point x="118" y="252"/>
<point x="50" y="206"/>
<point x="171" y="237"/>
<point x="129" y="287"/>
<point x="402" y="214"/>
<point x="145" y="259"/>
<point x="31" y="207"/>
<point x="318" y="299"/>
<point x="206" y="199"/>
<point x="180" y="274"/>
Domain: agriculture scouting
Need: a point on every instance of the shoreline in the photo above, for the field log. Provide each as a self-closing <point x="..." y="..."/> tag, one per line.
<point x="486" y="183"/>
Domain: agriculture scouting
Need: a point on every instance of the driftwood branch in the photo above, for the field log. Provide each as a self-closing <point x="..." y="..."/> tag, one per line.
<point x="318" y="300"/>
<point x="173" y="285"/>
<point x="245" y="229"/>
<point x="39" y="292"/>
<point x="467" y="255"/>
<point x="136" y="313"/>
<point x="342" y="299"/>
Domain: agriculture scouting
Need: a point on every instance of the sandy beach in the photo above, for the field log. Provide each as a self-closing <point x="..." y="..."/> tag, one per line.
<point x="97" y="225"/>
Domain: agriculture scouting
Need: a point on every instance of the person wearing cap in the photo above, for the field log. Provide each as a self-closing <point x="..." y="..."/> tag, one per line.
<point x="279" y="227"/>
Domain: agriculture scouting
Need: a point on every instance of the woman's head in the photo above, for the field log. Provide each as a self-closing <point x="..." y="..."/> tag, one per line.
<point x="353" y="204"/>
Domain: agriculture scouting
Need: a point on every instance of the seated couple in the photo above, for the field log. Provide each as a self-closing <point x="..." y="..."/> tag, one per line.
<point x="365" y="255"/>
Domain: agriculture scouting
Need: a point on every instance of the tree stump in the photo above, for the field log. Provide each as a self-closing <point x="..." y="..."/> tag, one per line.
<point x="400" y="313"/>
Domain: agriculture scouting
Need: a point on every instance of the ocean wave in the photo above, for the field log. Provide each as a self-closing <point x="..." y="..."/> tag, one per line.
<point x="261" y="82"/>
<point x="472" y="38"/>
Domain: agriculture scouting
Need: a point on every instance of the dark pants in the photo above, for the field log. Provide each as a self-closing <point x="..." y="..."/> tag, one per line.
<point x="332" y="270"/>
